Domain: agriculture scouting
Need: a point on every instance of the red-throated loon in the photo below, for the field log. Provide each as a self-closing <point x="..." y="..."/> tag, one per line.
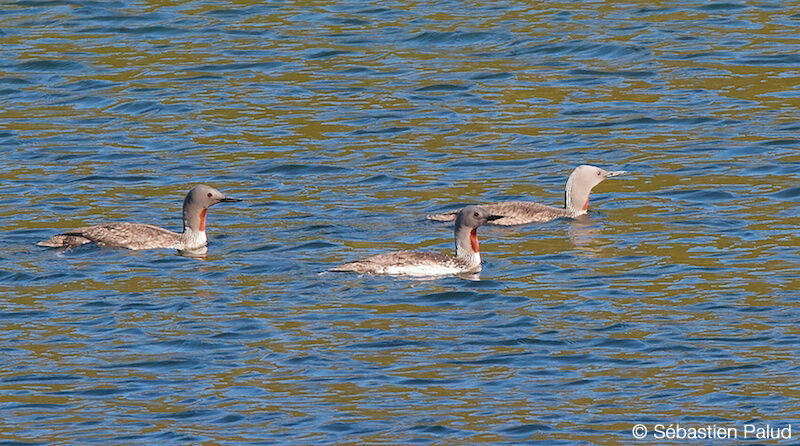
<point x="576" y="201"/>
<point x="425" y="264"/>
<point x="143" y="236"/>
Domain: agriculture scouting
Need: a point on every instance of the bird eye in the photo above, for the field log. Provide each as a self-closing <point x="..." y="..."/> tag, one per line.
<point x="598" y="173"/>
<point x="476" y="215"/>
<point x="210" y="194"/>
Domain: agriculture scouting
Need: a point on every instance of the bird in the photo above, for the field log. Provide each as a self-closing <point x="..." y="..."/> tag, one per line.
<point x="137" y="236"/>
<point x="576" y="201"/>
<point x="467" y="259"/>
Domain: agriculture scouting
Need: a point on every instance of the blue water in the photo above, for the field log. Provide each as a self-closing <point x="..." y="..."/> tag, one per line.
<point x="341" y="126"/>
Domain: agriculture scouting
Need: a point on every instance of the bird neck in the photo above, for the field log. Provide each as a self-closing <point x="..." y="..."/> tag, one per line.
<point x="467" y="245"/>
<point x="576" y="196"/>
<point x="194" y="224"/>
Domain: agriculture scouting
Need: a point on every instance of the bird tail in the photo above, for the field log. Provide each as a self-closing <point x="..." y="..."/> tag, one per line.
<point x="344" y="268"/>
<point x="56" y="241"/>
<point x="447" y="216"/>
<point x="63" y="241"/>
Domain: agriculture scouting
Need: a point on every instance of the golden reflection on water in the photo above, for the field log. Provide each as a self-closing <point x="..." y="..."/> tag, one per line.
<point x="583" y="234"/>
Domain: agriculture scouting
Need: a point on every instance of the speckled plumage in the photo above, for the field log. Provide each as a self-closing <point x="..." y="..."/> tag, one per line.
<point x="118" y="235"/>
<point x="409" y="263"/>
<point x="514" y="213"/>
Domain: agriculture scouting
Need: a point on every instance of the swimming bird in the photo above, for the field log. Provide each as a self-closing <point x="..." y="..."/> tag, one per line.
<point x="576" y="201"/>
<point x="426" y="264"/>
<point x="143" y="236"/>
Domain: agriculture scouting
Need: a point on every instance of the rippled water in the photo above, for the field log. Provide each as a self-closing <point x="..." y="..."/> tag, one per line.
<point x="342" y="125"/>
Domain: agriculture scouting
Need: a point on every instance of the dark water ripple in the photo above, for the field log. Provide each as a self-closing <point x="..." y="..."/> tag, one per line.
<point x="341" y="126"/>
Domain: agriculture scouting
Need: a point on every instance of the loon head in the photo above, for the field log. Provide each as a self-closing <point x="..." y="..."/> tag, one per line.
<point x="580" y="184"/>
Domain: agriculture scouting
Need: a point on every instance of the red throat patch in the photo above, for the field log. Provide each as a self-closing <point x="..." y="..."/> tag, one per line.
<point x="203" y="219"/>
<point x="586" y="205"/>
<point x="473" y="240"/>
